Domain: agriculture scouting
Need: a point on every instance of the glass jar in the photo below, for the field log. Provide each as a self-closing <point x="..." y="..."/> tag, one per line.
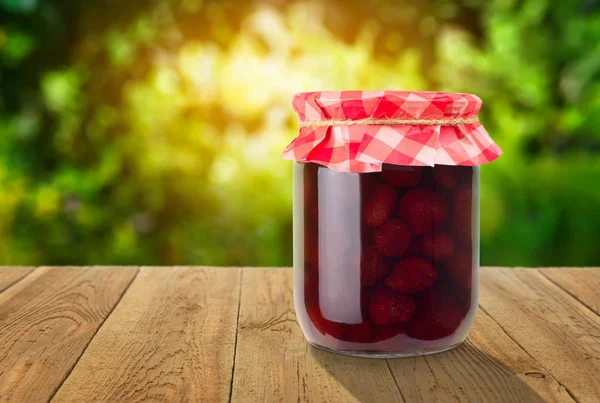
<point x="386" y="219"/>
<point x="386" y="263"/>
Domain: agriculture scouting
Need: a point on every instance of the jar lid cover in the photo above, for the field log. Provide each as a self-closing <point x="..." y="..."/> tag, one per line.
<point x="358" y="131"/>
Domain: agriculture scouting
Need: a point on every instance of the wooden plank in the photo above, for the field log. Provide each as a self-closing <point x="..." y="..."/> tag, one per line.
<point x="10" y="275"/>
<point x="556" y="330"/>
<point x="47" y="320"/>
<point x="488" y="367"/>
<point x="274" y="362"/>
<point x="171" y="338"/>
<point x="581" y="283"/>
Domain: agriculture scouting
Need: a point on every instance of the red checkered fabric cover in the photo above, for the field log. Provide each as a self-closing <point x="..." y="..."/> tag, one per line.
<point x="365" y="147"/>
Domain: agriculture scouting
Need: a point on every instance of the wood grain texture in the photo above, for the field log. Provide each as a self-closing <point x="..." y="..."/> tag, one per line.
<point x="47" y="320"/>
<point x="10" y="275"/>
<point x="171" y="336"/>
<point x="556" y="330"/>
<point x="488" y="367"/>
<point x="582" y="283"/>
<point x="274" y="362"/>
<point x="170" y="339"/>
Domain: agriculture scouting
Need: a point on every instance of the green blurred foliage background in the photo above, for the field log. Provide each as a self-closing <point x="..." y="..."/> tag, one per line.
<point x="149" y="132"/>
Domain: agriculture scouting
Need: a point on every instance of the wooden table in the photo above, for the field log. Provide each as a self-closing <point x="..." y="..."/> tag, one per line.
<point x="217" y="334"/>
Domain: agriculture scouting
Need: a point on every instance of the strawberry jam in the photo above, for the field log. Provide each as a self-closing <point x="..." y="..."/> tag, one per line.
<point x="386" y="263"/>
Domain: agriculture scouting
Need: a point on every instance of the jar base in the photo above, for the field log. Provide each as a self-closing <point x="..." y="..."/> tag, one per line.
<point x="382" y="355"/>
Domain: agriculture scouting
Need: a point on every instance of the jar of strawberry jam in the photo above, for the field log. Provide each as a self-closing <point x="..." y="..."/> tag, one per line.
<point x="386" y="219"/>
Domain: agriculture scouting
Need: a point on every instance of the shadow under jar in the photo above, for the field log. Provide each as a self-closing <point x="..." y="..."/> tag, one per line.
<point x="386" y="263"/>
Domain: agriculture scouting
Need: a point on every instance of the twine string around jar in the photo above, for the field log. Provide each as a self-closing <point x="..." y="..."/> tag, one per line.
<point x="392" y="122"/>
